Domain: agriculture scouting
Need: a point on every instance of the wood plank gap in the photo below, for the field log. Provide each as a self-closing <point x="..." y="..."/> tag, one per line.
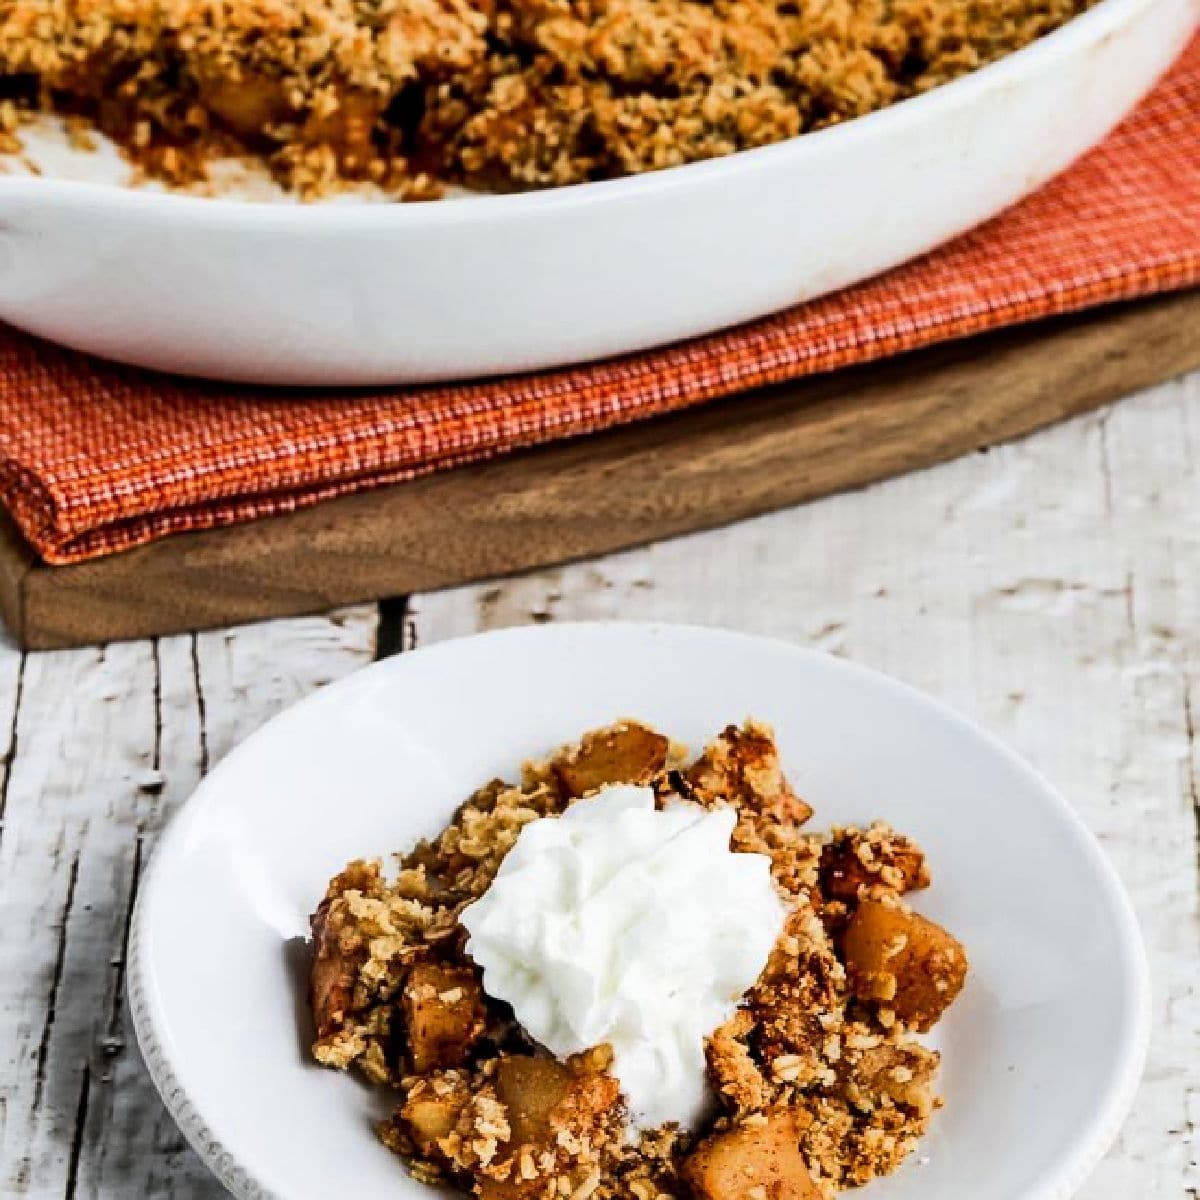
<point x="77" y="1133"/>
<point x="390" y="633"/>
<point x="201" y="713"/>
<point x="112" y="1042"/>
<point x="60" y="958"/>
<point x="10" y="756"/>
<point x="1193" y="781"/>
<point x="156" y="754"/>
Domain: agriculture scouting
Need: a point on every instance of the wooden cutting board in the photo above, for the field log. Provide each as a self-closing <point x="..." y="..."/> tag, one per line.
<point x="714" y="464"/>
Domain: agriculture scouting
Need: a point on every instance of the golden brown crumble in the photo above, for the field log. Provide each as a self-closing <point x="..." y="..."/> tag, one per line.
<point x="492" y="94"/>
<point x="818" y="1080"/>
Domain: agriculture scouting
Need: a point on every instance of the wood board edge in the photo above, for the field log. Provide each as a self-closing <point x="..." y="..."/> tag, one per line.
<point x="691" y="470"/>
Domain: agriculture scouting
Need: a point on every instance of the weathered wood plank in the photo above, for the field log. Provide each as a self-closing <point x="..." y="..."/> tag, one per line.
<point x="1148" y="814"/>
<point x="110" y="741"/>
<point x="12" y="681"/>
<point x="130" y="1145"/>
<point x="65" y="863"/>
<point x="1051" y="590"/>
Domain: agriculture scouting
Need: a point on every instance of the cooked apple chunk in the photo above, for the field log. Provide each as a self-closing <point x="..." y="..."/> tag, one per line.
<point x="559" y="1116"/>
<point x="429" y="1120"/>
<point x="530" y="1089"/>
<point x="443" y="1015"/>
<point x="627" y="752"/>
<point x="903" y="961"/>
<point x="761" y="1158"/>
<point x="429" y="1116"/>
<point x="543" y="1095"/>
<point x="331" y="983"/>
<point x="337" y="950"/>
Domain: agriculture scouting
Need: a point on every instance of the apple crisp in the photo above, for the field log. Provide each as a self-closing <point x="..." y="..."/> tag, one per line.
<point x="819" y="1083"/>
<point x="494" y="95"/>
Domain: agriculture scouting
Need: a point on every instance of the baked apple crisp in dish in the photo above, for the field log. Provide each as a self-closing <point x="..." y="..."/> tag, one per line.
<point x="495" y="95"/>
<point x="668" y="167"/>
<point x="639" y="976"/>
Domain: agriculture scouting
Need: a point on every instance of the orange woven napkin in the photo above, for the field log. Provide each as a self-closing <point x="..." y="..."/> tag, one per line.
<point x="96" y="458"/>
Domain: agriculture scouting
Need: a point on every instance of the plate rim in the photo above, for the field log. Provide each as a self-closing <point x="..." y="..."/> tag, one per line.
<point x="1089" y="1144"/>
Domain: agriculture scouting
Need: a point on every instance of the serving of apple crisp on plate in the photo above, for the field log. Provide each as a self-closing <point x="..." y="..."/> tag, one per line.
<point x="635" y="971"/>
<point x="801" y="1074"/>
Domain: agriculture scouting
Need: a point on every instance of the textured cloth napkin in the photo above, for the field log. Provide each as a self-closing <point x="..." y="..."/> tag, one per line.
<point x="96" y="458"/>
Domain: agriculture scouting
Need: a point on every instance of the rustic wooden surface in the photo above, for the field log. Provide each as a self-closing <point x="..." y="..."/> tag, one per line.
<point x="1049" y="588"/>
<point x="689" y="471"/>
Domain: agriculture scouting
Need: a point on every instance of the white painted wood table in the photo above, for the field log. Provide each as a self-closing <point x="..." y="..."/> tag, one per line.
<point x="1050" y="589"/>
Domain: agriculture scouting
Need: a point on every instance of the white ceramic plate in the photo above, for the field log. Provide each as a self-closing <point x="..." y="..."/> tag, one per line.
<point x="1042" y="1052"/>
<point x="370" y="293"/>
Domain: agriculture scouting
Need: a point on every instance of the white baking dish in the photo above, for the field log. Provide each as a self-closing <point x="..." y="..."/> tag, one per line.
<point x="370" y="293"/>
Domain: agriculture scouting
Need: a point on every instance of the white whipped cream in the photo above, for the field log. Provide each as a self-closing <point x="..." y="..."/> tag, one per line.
<point x="620" y="923"/>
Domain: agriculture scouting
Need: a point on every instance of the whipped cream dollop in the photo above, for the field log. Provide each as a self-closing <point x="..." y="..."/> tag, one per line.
<point x="624" y="924"/>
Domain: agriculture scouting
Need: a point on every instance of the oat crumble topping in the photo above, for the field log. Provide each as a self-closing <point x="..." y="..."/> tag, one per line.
<point x="495" y="95"/>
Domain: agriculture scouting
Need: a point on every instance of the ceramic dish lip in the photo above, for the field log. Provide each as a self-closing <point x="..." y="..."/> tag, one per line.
<point x="1099" y="23"/>
<point x="1083" y="1153"/>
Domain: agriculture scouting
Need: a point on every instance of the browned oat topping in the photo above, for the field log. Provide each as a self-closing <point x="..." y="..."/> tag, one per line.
<point x="492" y="94"/>
<point x="819" y="1082"/>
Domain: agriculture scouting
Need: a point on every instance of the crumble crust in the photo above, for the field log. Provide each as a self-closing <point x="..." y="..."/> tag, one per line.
<point x="495" y="95"/>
